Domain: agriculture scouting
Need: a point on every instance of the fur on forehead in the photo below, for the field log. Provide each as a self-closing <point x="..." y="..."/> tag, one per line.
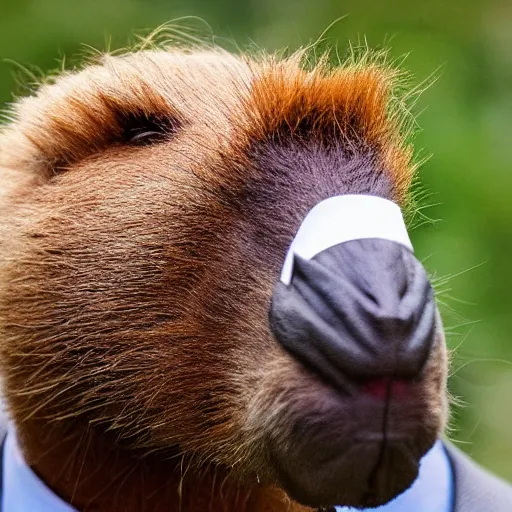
<point x="248" y="98"/>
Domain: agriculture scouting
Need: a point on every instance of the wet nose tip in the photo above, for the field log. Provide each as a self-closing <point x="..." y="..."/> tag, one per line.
<point x="363" y="309"/>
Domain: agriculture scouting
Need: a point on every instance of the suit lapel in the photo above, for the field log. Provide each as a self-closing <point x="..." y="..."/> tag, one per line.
<point x="476" y="490"/>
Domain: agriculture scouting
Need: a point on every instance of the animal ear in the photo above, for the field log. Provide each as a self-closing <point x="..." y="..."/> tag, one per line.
<point x="83" y="113"/>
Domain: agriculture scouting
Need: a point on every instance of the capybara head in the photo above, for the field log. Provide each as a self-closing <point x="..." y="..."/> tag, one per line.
<point x="149" y="201"/>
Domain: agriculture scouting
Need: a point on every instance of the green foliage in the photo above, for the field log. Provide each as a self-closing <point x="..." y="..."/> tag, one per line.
<point x="466" y="125"/>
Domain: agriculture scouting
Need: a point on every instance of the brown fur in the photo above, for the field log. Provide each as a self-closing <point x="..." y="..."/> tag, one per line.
<point x="135" y="280"/>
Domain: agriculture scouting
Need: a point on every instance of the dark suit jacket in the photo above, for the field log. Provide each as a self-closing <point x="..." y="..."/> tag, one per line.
<point x="476" y="490"/>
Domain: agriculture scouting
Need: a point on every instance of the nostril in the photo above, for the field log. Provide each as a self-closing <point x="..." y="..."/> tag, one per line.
<point x="403" y="289"/>
<point x="370" y="296"/>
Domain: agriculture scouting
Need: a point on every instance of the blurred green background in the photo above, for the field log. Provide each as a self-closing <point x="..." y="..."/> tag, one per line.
<point x="466" y="125"/>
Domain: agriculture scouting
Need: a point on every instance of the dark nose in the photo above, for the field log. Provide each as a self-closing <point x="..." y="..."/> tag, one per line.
<point x="363" y="309"/>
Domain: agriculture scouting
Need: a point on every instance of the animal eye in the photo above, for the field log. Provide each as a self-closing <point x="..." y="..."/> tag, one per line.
<point x="144" y="129"/>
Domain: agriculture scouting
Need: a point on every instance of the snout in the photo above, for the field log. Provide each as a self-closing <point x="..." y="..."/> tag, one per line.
<point x="360" y="318"/>
<point x="359" y="311"/>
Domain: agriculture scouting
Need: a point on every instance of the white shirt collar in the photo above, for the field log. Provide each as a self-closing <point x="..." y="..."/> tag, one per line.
<point x="24" y="491"/>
